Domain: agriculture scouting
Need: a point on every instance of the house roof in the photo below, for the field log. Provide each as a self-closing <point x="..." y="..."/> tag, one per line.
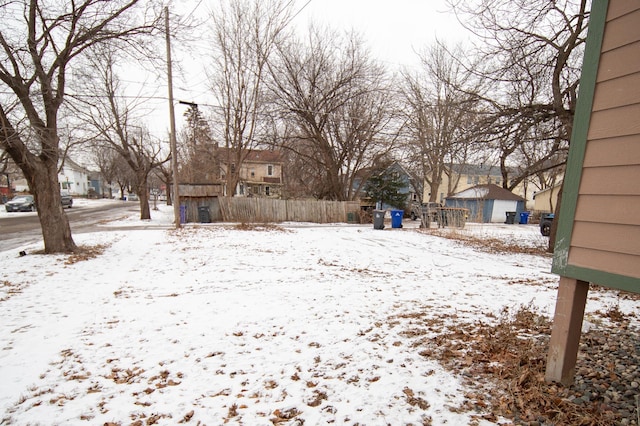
<point x="68" y="162"/>
<point x="258" y="155"/>
<point x="486" y="192"/>
<point x="264" y="156"/>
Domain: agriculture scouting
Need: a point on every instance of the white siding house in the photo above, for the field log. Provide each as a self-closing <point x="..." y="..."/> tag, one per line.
<point x="73" y="178"/>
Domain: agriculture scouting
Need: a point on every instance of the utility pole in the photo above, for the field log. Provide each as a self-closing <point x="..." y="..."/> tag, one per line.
<point x="172" y="123"/>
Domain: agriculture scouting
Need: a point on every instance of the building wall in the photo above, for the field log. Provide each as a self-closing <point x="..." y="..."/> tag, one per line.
<point x="525" y="189"/>
<point x="545" y="201"/>
<point x="600" y="219"/>
<point x="261" y="179"/>
<point x="74" y="181"/>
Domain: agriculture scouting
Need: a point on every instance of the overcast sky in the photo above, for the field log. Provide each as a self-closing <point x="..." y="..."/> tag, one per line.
<point x="393" y="30"/>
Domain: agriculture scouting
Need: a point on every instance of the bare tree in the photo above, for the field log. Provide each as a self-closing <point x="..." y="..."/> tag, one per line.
<point x="245" y="33"/>
<point x="439" y="115"/>
<point x="112" y="120"/>
<point x="40" y="41"/>
<point x="125" y="178"/>
<point x="164" y="173"/>
<point x="533" y="51"/>
<point x="105" y="158"/>
<point x="340" y="105"/>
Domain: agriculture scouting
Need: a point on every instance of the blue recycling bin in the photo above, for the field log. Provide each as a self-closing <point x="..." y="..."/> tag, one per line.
<point x="183" y="213"/>
<point x="396" y="218"/>
<point x="524" y="218"/>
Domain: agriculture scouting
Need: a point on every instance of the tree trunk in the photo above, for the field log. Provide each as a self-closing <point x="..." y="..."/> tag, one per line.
<point x="145" y="212"/>
<point x="232" y="182"/>
<point x="56" y="231"/>
<point x="41" y="173"/>
<point x="143" y="194"/>
<point x="434" y="185"/>
<point x="169" y="193"/>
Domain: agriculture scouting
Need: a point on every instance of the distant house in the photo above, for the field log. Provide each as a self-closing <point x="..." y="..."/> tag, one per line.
<point x="96" y="186"/>
<point x="547" y="199"/>
<point x="465" y="176"/>
<point x="73" y="178"/>
<point x="487" y="203"/>
<point x="261" y="173"/>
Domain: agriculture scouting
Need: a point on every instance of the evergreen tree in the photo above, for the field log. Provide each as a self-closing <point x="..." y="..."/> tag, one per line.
<point x="385" y="187"/>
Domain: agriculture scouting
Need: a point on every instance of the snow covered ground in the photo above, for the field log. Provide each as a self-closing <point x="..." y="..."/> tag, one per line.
<point x="216" y="323"/>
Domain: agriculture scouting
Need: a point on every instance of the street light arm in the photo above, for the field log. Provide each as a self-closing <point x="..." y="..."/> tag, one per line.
<point x="191" y="104"/>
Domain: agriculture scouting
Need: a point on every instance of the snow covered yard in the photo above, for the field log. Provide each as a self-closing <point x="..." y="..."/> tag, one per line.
<point x="256" y="325"/>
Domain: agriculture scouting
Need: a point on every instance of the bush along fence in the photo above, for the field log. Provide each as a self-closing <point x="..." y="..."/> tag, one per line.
<point x="263" y="210"/>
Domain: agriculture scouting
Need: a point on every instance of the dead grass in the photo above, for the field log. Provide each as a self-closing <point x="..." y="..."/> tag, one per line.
<point x="262" y="227"/>
<point x="83" y="253"/>
<point x="9" y="289"/>
<point x="80" y="253"/>
<point x="488" y="244"/>
<point x="504" y="365"/>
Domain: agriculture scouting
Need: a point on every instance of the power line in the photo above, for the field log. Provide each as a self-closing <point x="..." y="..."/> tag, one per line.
<point x="193" y="11"/>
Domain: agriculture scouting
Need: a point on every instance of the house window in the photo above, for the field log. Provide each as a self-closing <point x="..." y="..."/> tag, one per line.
<point x="253" y="173"/>
<point x="476" y="180"/>
<point x="469" y="180"/>
<point x="267" y="190"/>
<point x="270" y="170"/>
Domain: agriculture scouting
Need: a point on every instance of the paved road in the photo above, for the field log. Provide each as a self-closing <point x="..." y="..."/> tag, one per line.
<point x="19" y="229"/>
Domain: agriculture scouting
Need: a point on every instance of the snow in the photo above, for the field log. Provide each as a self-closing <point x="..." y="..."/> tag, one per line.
<point x="213" y="323"/>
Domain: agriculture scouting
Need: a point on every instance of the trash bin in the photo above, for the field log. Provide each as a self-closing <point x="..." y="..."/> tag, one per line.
<point x="546" y="220"/>
<point x="396" y="218"/>
<point x="351" y="217"/>
<point x="378" y="219"/>
<point x="524" y="218"/>
<point x="203" y="214"/>
<point x="183" y="213"/>
<point x="511" y="218"/>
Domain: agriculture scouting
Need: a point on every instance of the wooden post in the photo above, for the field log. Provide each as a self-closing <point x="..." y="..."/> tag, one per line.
<point x="567" y="327"/>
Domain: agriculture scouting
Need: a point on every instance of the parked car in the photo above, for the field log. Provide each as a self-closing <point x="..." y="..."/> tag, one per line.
<point x="21" y="203"/>
<point x="545" y="224"/>
<point x="67" y="200"/>
<point x="431" y="208"/>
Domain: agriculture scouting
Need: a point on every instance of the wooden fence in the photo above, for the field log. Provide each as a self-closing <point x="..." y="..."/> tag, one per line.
<point x="263" y="210"/>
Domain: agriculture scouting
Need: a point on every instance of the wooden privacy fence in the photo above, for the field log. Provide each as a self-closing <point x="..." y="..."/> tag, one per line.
<point x="261" y="210"/>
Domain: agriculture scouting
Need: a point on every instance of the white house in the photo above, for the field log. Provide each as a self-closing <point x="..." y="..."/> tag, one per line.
<point x="73" y="178"/>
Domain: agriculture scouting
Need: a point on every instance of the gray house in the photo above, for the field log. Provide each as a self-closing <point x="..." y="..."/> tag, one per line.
<point x="487" y="203"/>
